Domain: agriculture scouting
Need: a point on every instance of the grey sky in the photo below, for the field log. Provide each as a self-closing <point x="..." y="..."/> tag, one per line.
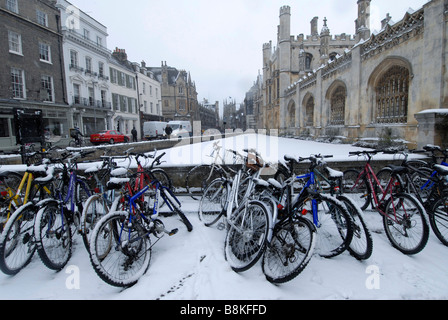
<point x="220" y="42"/>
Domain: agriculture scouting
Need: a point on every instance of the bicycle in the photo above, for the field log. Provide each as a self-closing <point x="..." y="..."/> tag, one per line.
<point x="120" y="250"/>
<point x="247" y="220"/>
<point x="331" y="218"/>
<point x="104" y="200"/>
<point x="200" y="176"/>
<point x="403" y="215"/>
<point x="291" y="238"/>
<point x="430" y="187"/>
<point x="17" y="245"/>
<point x="56" y="217"/>
<point x="17" y="189"/>
<point x="361" y="245"/>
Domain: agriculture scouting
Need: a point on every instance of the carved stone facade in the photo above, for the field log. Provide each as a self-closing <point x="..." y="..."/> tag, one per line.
<point x="358" y="85"/>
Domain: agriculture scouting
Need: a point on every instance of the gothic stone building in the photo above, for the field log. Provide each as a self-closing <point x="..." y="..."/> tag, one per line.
<point x="354" y="87"/>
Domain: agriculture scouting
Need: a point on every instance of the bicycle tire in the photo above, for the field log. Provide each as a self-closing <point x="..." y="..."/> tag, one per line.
<point x="335" y="229"/>
<point x="243" y="249"/>
<point x="53" y="246"/>
<point x="95" y="208"/>
<point x="438" y="218"/>
<point x="16" y="242"/>
<point x="290" y="250"/>
<point x="117" y="267"/>
<point x="212" y="203"/>
<point x="359" y="193"/>
<point x="418" y="226"/>
<point x="361" y="246"/>
<point x="198" y="178"/>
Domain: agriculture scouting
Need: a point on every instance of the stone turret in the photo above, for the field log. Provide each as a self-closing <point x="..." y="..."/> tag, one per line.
<point x="362" y="24"/>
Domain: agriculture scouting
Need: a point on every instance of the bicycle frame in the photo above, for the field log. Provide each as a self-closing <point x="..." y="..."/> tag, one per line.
<point x="311" y="180"/>
<point x="369" y="173"/>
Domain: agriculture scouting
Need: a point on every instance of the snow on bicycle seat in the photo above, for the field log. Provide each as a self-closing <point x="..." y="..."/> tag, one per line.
<point x="116" y="183"/>
<point x="334" y="174"/>
<point x="289" y="158"/>
<point x="118" y="172"/>
<point x="443" y="170"/>
<point x="275" y="183"/>
<point x="49" y="177"/>
<point x="261" y="182"/>
<point x="95" y="167"/>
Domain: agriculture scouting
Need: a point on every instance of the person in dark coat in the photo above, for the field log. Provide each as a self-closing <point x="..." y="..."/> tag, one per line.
<point x="134" y="135"/>
<point x="168" y="131"/>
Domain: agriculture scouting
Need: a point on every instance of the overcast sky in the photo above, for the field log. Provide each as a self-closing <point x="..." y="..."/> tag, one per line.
<point x="220" y="42"/>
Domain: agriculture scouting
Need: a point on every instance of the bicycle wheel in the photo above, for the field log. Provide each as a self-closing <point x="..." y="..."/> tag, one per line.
<point x="212" y="203"/>
<point x="131" y="254"/>
<point x="409" y="231"/>
<point x="334" y="226"/>
<point x="246" y="239"/>
<point x="361" y="246"/>
<point x="53" y="236"/>
<point x="199" y="178"/>
<point x="358" y="192"/>
<point x="290" y="250"/>
<point x="95" y="208"/>
<point x="9" y="184"/>
<point x="438" y="218"/>
<point x="16" y="242"/>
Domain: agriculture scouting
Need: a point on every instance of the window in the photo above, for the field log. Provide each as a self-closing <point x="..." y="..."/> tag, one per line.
<point x="15" y="42"/>
<point x="151" y="108"/>
<point x="18" y="83"/>
<point x="392" y="96"/>
<point x="101" y="69"/>
<point x="310" y="112"/>
<point x="4" y="127"/>
<point x="46" y="92"/>
<point x="76" y="93"/>
<point x="144" y="88"/>
<point x="145" y="103"/>
<point x="73" y="58"/>
<point x="113" y="75"/>
<point x="99" y="41"/>
<point x="44" y="52"/>
<point x="103" y="99"/>
<point x="42" y="18"/>
<point x="91" y="97"/>
<point x="86" y="34"/>
<point x="12" y="5"/>
<point x="89" y="64"/>
<point x="337" y="115"/>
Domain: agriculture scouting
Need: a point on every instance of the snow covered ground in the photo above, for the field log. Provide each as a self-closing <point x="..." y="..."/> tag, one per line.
<point x="191" y="266"/>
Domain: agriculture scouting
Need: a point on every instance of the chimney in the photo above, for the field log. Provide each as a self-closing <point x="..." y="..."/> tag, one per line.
<point x="120" y="54"/>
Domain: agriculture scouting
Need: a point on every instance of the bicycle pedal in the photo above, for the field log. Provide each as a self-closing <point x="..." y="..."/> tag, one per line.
<point x="173" y="232"/>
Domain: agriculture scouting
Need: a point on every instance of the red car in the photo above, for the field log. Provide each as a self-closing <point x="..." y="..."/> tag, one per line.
<point x="108" y="136"/>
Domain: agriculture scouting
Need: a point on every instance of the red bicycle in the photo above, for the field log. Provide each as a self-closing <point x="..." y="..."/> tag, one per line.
<point x="403" y="215"/>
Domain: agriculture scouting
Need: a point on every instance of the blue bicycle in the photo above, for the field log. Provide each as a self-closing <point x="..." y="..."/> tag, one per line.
<point x="59" y="218"/>
<point x="331" y="218"/>
<point x="120" y="246"/>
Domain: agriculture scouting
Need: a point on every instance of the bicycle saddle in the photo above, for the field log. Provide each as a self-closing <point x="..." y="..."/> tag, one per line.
<point x="442" y="170"/>
<point x="398" y="169"/>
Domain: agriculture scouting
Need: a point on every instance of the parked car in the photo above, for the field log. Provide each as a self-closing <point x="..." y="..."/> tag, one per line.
<point x="108" y="136"/>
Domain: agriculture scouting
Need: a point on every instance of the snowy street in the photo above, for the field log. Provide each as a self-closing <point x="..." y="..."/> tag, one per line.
<point x="191" y="266"/>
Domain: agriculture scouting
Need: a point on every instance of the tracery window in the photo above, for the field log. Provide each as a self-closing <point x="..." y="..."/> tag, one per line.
<point x="392" y="96"/>
<point x="337" y="115"/>
<point x="309" y="109"/>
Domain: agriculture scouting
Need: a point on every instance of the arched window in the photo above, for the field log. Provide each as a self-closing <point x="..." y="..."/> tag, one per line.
<point x="292" y="114"/>
<point x="309" y="109"/>
<point x="337" y="115"/>
<point x="392" y="96"/>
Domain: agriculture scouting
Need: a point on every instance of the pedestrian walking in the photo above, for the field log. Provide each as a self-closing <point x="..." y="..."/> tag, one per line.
<point x="134" y="135"/>
<point x="168" y="131"/>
